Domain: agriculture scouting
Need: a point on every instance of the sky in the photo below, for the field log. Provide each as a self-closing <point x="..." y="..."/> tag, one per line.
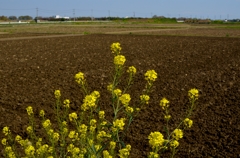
<point x="213" y="9"/>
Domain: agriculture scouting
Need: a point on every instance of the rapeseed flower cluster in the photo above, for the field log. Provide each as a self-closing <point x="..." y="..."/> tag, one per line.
<point x="110" y="87"/>
<point x="6" y="131"/>
<point x="118" y="124"/>
<point x="57" y="94"/>
<point x="116" y="48"/>
<point x="125" y="99"/>
<point x="132" y="70"/>
<point x="9" y="152"/>
<point x="106" y="154"/>
<point x="29" y="129"/>
<point x="101" y="114"/>
<point x="193" y="94"/>
<point x="150" y="76"/>
<point x="29" y="110"/>
<point x="30" y="151"/>
<point x="89" y="101"/>
<point x="42" y="114"/>
<point x="174" y="144"/>
<point x="46" y="124"/>
<point x="177" y="134"/>
<point x="83" y="131"/>
<point x="79" y="78"/>
<point x="119" y="60"/>
<point x="164" y="103"/>
<point x="188" y="123"/>
<point x="73" y="116"/>
<point x="144" y="98"/>
<point x="156" y="139"/>
<point x="4" y="141"/>
<point x="125" y="152"/>
<point x="153" y="155"/>
<point x="117" y="92"/>
<point x="66" y="103"/>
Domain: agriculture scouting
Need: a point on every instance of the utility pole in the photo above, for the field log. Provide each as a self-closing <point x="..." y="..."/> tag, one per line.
<point x="134" y="14"/>
<point x="36" y="12"/>
<point x="74" y="14"/>
<point x="36" y="19"/>
<point x="92" y="14"/>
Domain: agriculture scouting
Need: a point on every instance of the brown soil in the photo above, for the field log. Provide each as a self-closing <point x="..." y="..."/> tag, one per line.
<point x="32" y="69"/>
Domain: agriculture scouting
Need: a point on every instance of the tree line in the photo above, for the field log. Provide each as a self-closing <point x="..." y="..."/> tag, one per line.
<point x="24" y="17"/>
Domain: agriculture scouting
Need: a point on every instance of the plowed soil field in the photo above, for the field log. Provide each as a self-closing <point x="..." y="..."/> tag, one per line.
<point x="32" y="69"/>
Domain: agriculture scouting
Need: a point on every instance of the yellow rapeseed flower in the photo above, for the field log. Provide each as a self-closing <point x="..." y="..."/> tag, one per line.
<point x="110" y="87"/>
<point x="125" y="99"/>
<point x="93" y="122"/>
<point x="9" y="152"/>
<point x="100" y="135"/>
<point x="42" y="113"/>
<point x="101" y="114"/>
<point x="156" y="139"/>
<point x="72" y="134"/>
<point x="29" y="129"/>
<point x="89" y="102"/>
<point x="187" y="122"/>
<point x="112" y="145"/>
<point x="174" y="144"/>
<point x="125" y="152"/>
<point x="66" y="103"/>
<point x="116" y="48"/>
<point x="39" y="143"/>
<point x="119" y="60"/>
<point x="18" y="138"/>
<point x="29" y="110"/>
<point x="65" y="130"/>
<point x="4" y="141"/>
<point x="56" y="136"/>
<point x="177" y="134"/>
<point x="50" y="150"/>
<point x="96" y="94"/>
<point x="164" y="103"/>
<point x="119" y="123"/>
<point x="129" y="109"/>
<point x="103" y="123"/>
<point x="153" y="155"/>
<point x="57" y="94"/>
<point x="75" y="151"/>
<point x="117" y="92"/>
<point x="132" y="70"/>
<point x="97" y="147"/>
<point x="50" y="132"/>
<point x="106" y="154"/>
<point x="167" y="117"/>
<point x="193" y="93"/>
<point x="30" y="150"/>
<point x="79" y="78"/>
<point x="6" y="131"/>
<point x="83" y="129"/>
<point x="144" y="98"/>
<point x="42" y="149"/>
<point x="150" y="75"/>
<point x="73" y="116"/>
<point x="64" y="123"/>
<point x="46" y="124"/>
<point x="70" y="147"/>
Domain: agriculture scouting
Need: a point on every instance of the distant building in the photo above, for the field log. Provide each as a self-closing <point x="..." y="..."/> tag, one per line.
<point x="59" y="17"/>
